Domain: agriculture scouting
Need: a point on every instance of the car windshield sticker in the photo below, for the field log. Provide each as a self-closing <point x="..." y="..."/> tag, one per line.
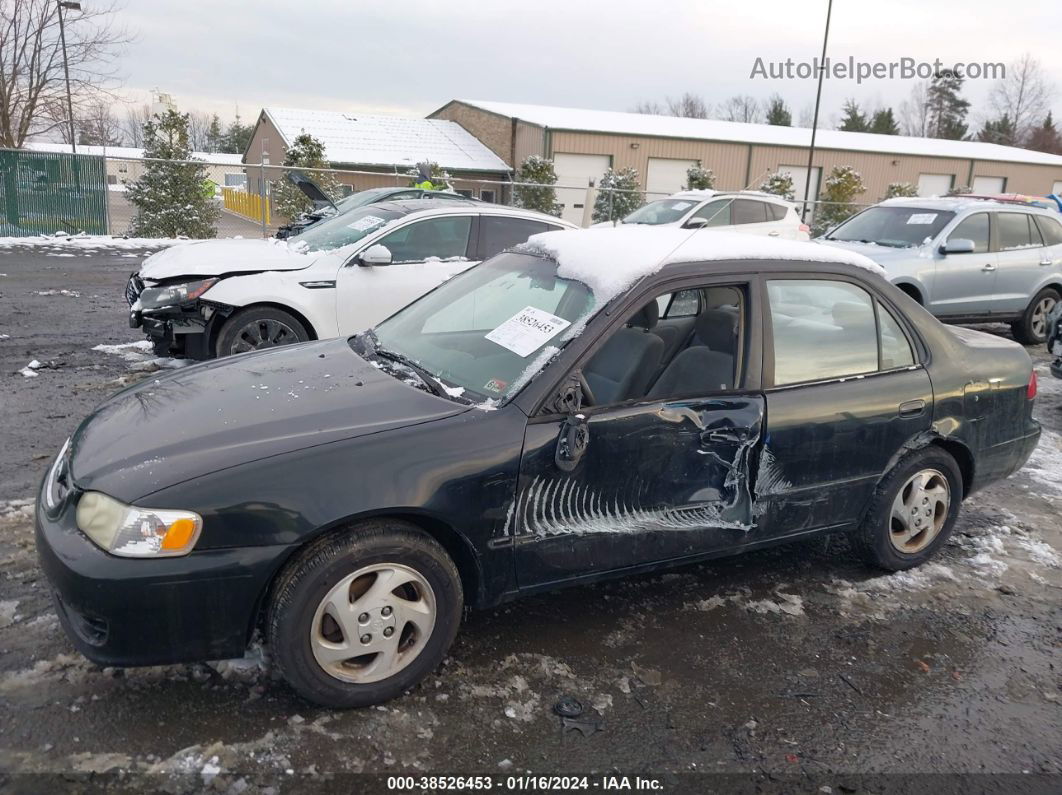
<point x="527" y="330"/>
<point x="366" y="222"/>
<point x="496" y="385"/>
<point x="922" y="218"/>
<point x="681" y="205"/>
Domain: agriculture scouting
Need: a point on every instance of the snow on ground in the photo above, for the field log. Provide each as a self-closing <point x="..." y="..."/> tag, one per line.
<point x="69" y="293"/>
<point x="140" y="357"/>
<point x="85" y="242"/>
<point x="16" y="510"/>
<point x="1045" y="464"/>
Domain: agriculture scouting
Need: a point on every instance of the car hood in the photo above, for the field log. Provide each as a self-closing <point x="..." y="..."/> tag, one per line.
<point x="883" y="255"/>
<point x="222" y="257"/>
<point x="219" y="414"/>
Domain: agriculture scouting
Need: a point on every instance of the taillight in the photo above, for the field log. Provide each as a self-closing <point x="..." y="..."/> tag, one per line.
<point x="805" y="228"/>
<point x="1030" y="391"/>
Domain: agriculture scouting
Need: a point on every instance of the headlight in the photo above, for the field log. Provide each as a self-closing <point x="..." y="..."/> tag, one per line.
<point x="173" y="294"/>
<point x="132" y="532"/>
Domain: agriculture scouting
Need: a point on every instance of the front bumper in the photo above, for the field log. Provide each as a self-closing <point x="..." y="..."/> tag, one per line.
<point x="125" y="612"/>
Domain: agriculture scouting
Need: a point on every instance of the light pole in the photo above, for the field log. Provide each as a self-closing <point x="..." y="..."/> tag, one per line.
<point x="69" y="6"/>
<point x="818" y="97"/>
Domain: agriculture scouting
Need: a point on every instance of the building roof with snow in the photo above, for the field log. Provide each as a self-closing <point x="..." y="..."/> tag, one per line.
<point x="373" y="140"/>
<point x="129" y="152"/>
<point x="643" y="124"/>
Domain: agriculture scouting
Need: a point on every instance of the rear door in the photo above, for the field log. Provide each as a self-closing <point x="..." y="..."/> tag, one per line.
<point x="1021" y="252"/>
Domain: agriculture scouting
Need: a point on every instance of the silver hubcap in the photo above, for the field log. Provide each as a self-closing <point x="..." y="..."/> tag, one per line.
<point x="373" y="623"/>
<point x="263" y="334"/>
<point x="919" y="511"/>
<point x="1039" y="316"/>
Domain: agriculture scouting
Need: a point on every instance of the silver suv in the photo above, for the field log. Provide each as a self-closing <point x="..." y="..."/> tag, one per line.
<point x="965" y="259"/>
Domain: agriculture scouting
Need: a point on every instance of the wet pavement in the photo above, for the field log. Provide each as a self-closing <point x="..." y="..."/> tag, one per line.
<point x="795" y="666"/>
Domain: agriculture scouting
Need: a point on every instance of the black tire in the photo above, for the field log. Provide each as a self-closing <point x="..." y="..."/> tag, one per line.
<point x="875" y="534"/>
<point x="267" y="320"/>
<point x="306" y="581"/>
<point x="1031" y="329"/>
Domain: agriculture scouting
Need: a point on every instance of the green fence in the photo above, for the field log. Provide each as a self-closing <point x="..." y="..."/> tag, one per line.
<point x="44" y="192"/>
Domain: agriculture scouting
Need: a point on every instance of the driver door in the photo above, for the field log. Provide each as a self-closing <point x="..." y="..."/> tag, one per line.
<point x="660" y="476"/>
<point x="424" y="254"/>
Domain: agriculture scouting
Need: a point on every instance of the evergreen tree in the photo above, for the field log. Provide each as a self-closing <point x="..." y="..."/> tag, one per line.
<point x="998" y="131"/>
<point x="172" y="199"/>
<point x="778" y="113"/>
<point x="945" y="107"/>
<point x="897" y="189"/>
<point x="779" y="184"/>
<point x="618" y="195"/>
<point x="215" y="138"/>
<point x="699" y="178"/>
<point x="841" y="188"/>
<point x="1045" y="138"/>
<point x="884" y="123"/>
<point x="305" y="152"/>
<point x="540" y="171"/>
<point x="237" y="137"/>
<point x="854" y="119"/>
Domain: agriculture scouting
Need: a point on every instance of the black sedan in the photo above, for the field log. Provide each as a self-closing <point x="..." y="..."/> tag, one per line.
<point x="595" y="403"/>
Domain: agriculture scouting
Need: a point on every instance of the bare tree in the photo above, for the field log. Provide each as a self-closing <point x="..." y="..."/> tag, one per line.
<point x="741" y="108"/>
<point x="198" y="130"/>
<point x="133" y="124"/>
<point x="32" y="86"/>
<point x="98" y="126"/>
<point x="689" y="106"/>
<point x="914" y="111"/>
<point x="1023" y="96"/>
<point x="650" y="107"/>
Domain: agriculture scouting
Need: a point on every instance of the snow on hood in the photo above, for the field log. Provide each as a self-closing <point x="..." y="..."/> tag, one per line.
<point x="218" y="257"/>
<point x="610" y="260"/>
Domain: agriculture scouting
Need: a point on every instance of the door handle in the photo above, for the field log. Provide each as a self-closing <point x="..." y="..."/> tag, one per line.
<point x="912" y="408"/>
<point x="988" y="268"/>
<point x="732" y="435"/>
<point x="773" y="234"/>
<point x="1046" y="261"/>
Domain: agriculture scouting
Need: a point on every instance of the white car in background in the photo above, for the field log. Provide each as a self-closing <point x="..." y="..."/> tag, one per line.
<point x="751" y="212"/>
<point x="214" y="298"/>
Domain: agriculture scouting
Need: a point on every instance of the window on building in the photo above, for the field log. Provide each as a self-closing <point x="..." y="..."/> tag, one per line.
<point x="487" y="195"/>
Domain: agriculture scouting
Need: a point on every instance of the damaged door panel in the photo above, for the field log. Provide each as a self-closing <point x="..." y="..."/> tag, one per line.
<point x="649" y="482"/>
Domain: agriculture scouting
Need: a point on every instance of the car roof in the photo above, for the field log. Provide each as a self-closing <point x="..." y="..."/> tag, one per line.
<point x="705" y="194"/>
<point x="961" y="203"/>
<point x="434" y="206"/>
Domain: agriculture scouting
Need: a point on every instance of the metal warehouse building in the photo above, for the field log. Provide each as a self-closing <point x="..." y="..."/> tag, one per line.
<point x="583" y="143"/>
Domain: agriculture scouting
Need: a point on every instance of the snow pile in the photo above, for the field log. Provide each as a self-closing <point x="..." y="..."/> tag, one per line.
<point x="610" y="260"/>
<point x="69" y="293"/>
<point x="16" y="510"/>
<point x="30" y="370"/>
<point x="779" y="602"/>
<point x="1045" y="463"/>
<point x="85" y="242"/>
<point x="140" y="357"/>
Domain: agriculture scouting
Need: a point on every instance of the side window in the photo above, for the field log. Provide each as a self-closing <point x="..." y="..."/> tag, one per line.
<point x="685" y="303"/>
<point x="895" y="349"/>
<point x="641" y="360"/>
<point x="747" y="211"/>
<point x="717" y="213"/>
<point x="1014" y="231"/>
<point x="821" y="330"/>
<point x="776" y="212"/>
<point x="1051" y="230"/>
<point x="497" y="233"/>
<point x="442" y="238"/>
<point x="974" y="228"/>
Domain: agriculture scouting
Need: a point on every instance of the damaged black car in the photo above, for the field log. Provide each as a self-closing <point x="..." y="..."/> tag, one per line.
<point x="595" y="403"/>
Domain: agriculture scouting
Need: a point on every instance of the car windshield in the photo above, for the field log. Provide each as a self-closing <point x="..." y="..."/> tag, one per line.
<point x="342" y="230"/>
<point x="898" y="227"/>
<point x="664" y="211"/>
<point x="484" y="333"/>
<point x="363" y="197"/>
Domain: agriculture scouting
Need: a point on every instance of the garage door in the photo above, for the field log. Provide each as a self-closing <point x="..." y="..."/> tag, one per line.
<point x="1056" y="189"/>
<point x="666" y="176"/>
<point x="576" y="171"/>
<point x="989" y="185"/>
<point x="934" y="184"/>
<point x="799" y="174"/>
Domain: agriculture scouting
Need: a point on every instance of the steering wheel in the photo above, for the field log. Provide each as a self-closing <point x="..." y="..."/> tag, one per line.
<point x="588" y="394"/>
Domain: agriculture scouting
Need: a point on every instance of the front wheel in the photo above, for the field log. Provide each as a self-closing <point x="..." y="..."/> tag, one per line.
<point x="361" y="617"/>
<point x="1031" y="329"/>
<point x="257" y="328"/>
<point x="913" y="510"/>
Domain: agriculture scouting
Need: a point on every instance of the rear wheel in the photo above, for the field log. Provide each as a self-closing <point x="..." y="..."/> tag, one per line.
<point x="1031" y="329"/>
<point x="361" y="617"/>
<point x="913" y="510"/>
<point x="257" y="328"/>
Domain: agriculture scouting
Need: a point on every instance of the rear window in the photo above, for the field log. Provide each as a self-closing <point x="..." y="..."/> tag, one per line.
<point x="749" y="212"/>
<point x="1051" y="230"/>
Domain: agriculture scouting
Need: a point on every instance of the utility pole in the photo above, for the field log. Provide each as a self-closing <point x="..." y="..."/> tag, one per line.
<point x="818" y="98"/>
<point x="69" y="6"/>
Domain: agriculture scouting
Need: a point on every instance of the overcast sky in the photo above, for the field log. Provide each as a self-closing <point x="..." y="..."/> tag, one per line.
<point x="413" y="56"/>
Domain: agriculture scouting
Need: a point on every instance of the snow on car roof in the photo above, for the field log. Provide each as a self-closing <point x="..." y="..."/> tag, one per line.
<point x="610" y="260"/>
<point x="773" y="135"/>
<point x="959" y="202"/>
<point x="365" y="139"/>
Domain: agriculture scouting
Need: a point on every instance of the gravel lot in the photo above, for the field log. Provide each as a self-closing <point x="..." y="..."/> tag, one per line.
<point x="796" y="664"/>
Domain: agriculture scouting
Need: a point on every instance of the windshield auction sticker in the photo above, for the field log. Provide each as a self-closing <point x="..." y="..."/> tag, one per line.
<point x="366" y="222"/>
<point x="527" y="331"/>
<point x="922" y="218"/>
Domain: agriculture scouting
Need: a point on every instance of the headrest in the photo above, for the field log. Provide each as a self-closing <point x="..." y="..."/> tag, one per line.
<point x="717" y="328"/>
<point x="646" y="317"/>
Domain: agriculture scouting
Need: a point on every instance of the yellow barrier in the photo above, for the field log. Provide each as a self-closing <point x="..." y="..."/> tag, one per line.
<point x="246" y="204"/>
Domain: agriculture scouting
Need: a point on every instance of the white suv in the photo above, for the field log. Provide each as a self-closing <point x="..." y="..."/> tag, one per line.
<point x="751" y="212"/>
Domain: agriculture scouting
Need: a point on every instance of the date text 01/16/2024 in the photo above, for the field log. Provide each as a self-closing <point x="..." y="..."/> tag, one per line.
<point x="525" y="783"/>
